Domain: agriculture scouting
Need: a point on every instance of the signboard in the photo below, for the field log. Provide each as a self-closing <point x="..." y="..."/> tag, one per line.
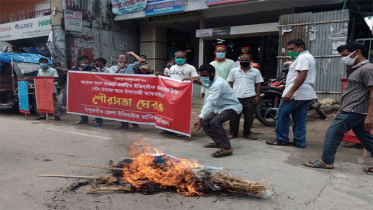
<point x="216" y="32"/>
<point x="73" y="20"/>
<point x="204" y="33"/>
<point x="44" y="94"/>
<point x="162" y="7"/>
<point x="219" y="2"/>
<point x="221" y="31"/>
<point x="122" y="7"/>
<point x="143" y="99"/>
<point x="184" y="16"/>
<point x="24" y="29"/>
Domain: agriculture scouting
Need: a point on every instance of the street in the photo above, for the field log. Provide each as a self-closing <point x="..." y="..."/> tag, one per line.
<point x="29" y="148"/>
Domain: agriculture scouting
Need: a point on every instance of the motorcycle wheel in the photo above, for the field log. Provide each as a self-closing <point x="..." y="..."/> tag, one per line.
<point x="265" y="114"/>
<point x="321" y="112"/>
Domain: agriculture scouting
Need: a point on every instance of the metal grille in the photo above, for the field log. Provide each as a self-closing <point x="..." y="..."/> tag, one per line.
<point x="34" y="10"/>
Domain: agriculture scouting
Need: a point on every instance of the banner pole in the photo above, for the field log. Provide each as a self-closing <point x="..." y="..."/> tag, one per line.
<point x="26" y="116"/>
<point x="47" y="117"/>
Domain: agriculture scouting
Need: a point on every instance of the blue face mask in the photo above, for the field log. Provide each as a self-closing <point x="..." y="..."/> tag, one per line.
<point x="220" y="55"/>
<point x="180" y="61"/>
<point x="83" y="65"/>
<point x="171" y="64"/>
<point x="43" y="65"/>
<point x="205" y="80"/>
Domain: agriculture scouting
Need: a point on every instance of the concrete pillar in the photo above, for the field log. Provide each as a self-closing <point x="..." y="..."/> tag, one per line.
<point x="153" y="44"/>
<point x="58" y="34"/>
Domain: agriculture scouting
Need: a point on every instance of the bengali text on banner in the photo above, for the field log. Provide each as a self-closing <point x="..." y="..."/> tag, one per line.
<point x="44" y="94"/>
<point x="144" y="99"/>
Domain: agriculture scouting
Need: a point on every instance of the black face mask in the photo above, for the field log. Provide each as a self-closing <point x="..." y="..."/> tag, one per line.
<point x="245" y="64"/>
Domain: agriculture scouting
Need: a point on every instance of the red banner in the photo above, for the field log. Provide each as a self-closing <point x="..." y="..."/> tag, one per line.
<point x="44" y="94"/>
<point x="146" y="99"/>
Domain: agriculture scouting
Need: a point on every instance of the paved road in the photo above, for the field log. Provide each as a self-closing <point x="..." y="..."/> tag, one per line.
<point x="29" y="148"/>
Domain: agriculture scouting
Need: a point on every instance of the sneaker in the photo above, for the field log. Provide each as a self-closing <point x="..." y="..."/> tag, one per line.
<point x="97" y="125"/>
<point x="80" y="122"/>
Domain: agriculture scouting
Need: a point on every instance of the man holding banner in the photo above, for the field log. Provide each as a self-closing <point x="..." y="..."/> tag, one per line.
<point x="46" y="71"/>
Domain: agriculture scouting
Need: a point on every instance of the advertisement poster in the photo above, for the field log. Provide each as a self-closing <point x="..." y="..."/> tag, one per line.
<point x="29" y="28"/>
<point x="122" y="7"/>
<point x="143" y="99"/>
<point x="161" y="7"/>
<point x="73" y="20"/>
<point x="44" y="94"/>
<point x="219" y="2"/>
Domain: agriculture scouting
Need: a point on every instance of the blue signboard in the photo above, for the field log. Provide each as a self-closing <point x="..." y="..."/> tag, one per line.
<point x="23" y="97"/>
<point x="156" y="7"/>
<point x="122" y="7"/>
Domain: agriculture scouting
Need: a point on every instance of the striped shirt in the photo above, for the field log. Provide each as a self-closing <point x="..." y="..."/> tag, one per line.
<point x="355" y="96"/>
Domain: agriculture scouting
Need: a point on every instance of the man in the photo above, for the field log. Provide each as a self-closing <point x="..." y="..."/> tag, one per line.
<point x="61" y="82"/>
<point x="226" y="104"/>
<point x="46" y="71"/>
<point x="245" y="81"/>
<point x="145" y="68"/>
<point x="172" y="50"/>
<point x="356" y="110"/>
<point x="181" y="70"/>
<point x="190" y="52"/>
<point x="222" y="65"/>
<point x="124" y="68"/>
<point x="297" y="95"/>
<point x="100" y="64"/>
<point x="85" y="66"/>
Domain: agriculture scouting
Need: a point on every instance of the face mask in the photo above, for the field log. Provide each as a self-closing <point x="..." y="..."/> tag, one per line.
<point x="294" y="54"/>
<point x="349" y="61"/>
<point x="144" y="60"/>
<point x="205" y="80"/>
<point x="171" y="64"/>
<point x="245" y="64"/>
<point x="220" y="55"/>
<point x="83" y="65"/>
<point x="238" y="58"/>
<point x="43" y="65"/>
<point x="180" y="61"/>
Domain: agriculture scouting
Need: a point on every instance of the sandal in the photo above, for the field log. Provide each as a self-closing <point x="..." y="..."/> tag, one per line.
<point x="135" y="128"/>
<point x="317" y="164"/>
<point x="249" y="137"/>
<point x="369" y="170"/>
<point x="352" y="145"/>
<point x="277" y="143"/>
<point x="223" y="152"/>
<point x="212" y="145"/>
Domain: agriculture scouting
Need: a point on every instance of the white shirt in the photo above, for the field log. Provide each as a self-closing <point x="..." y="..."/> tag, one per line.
<point x="105" y="70"/>
<point x="244" y="83"/>
<point x="304" y="62"/>
<point x="183" y="71"/>
<point x="222" y="97"/>
<point x="166" y="71"/>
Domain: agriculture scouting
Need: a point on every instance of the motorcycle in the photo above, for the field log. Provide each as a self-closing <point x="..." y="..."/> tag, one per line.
<point x="271" y="94"/>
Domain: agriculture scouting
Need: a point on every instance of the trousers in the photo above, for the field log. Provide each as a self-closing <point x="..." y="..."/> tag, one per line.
<point x="248" y="113"/>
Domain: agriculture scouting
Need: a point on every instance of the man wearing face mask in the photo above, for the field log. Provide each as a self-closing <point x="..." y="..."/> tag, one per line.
<point x="223" y="99"/>
<point x="222" y="65"/>
<point x="298" y="93"/>
<point x="181" y="70"/>
<point x="84" y="64"/>
<point x="245" y="81"/>
<point x="356" y="110"/>
<point x="46" y="71"/>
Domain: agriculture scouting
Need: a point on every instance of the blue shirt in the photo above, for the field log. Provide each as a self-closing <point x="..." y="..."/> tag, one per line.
<point x="221" y="97"/>
<point x="128" y="68"/>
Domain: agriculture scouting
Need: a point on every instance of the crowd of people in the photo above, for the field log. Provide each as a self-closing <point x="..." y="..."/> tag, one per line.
<point x="232" y="90"/>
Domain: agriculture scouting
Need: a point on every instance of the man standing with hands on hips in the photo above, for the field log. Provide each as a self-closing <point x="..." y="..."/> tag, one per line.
<point x="298" y="93"/>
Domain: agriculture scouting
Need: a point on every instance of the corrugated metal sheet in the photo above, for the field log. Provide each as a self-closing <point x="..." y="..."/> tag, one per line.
<point x="327" y="24"/>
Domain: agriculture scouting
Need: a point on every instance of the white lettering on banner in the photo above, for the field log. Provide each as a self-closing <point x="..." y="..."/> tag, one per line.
<point x="94" y="110"/>
<point x="107" y="112"/>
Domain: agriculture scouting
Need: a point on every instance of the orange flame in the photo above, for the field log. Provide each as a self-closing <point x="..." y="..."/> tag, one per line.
<point x="168" y="174"/>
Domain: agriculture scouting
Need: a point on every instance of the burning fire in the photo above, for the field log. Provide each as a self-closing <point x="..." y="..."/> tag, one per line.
<point x="177" y="173"/>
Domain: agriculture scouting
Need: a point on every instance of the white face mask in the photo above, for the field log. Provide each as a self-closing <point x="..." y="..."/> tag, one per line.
<point x="349" y="61"/>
